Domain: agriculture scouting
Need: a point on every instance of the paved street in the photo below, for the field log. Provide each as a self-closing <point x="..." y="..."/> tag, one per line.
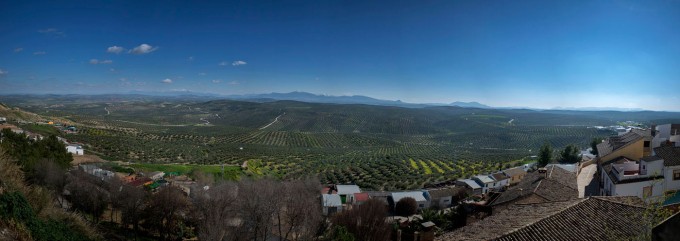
<point x="587" y="184"/>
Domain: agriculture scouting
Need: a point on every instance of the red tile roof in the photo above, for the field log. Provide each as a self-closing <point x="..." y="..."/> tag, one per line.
<point x="139" y="182"/>
<point x="361" y="197"/>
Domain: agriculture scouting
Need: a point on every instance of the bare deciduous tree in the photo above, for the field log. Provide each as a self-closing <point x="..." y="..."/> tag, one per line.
<point x="132" y="202"/>
<point x="258" y="201"/>
<point x="115" y="188"/>
<point x="366" y="222"/>
<point x="86" y="195"/>
<point x="299" y="214"/>
<point x="215" y="212"/>
<point x="165" y="212"/>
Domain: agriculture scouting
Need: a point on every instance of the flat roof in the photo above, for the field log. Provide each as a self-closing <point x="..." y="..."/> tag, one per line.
<point x="471" y="183"/>
<point x="348" y="189"/>
<point x="417" y="195"/>
<point x="484" y="178"/>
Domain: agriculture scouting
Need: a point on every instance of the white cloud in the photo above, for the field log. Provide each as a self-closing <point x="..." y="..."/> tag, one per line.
<point x="96" y="61"/>
<point x="201" y="74"/>
<point x="238" y="62"/>
<point x="18" y="50"/>
<point x="3" y="72"/>
<point x="39" y="53"/>
<point x="191" y="58"/>
<point x="112" y="70"/>
<point x="52" y="31"/>
<point x="216" y="81"/>
<point x="115" y="49"/>
<point x="123" y="79"/>
<point x="143" y="49"/>
<point x="234" y="83"/>
<point x="166" y="81"/>
<point x="223" y="63"/>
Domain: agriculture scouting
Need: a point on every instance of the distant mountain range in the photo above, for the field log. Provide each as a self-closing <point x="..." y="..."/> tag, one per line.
<point x="360" y="99"/>
<point x="354" y="99"/>
<point x="314" y="98"/>
<point x="473" y="104"/>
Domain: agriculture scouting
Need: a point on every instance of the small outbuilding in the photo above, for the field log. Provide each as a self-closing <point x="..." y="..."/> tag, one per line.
<point x="331" y="203"/>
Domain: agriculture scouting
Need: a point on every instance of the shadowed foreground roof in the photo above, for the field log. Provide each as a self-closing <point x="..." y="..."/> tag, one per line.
<point x="595" y="218"/>
<point x="560" y="185"/>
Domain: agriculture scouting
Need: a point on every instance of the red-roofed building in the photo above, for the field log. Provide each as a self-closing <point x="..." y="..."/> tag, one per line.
<point x="360" y="198"/>
<point x="140" y="181"/>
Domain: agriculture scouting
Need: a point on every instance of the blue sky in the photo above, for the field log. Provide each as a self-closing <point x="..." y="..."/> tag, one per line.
<point x="503" y="53"/>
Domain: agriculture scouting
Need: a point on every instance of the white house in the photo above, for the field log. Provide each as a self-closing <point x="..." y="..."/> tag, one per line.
<point x="75" y="149"/>
<point x="419" y="196"/>
<point x="649" y="178"/>
<point x="500" y="181"/>
<point x="331" y="203"/>
<point x="625" y="177"/>
<point x="156" y="175"/>
<point x="347" y="192"/>
<point x="666" y="134"/>
<point x="485" y="182"/>
<point x="96" y="171"/>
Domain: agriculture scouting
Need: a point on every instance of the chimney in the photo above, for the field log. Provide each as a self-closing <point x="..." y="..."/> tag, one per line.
<point x="653" y="130"/>
<point x="543" y="171"/>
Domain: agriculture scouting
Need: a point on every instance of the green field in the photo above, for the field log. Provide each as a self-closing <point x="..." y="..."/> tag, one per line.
<point x="41" y="129"/>
<point x="230" y="172"/>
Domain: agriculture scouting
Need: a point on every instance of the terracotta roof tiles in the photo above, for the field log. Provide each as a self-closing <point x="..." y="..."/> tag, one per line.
<point x="594" y="218"/>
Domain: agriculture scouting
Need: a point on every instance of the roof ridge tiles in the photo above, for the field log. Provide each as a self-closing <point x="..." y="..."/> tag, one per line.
<point x="614" y="200"/>
<point x="565" y="209"/>
<point x="540" y="219"/>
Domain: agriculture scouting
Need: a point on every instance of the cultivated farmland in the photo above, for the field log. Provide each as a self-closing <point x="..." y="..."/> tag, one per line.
<point x="377" y="147"/>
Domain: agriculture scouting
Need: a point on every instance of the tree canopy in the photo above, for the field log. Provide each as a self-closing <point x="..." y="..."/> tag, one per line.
<point x="545" y="155"/>
<point x="570" y="154"/>
<point x="29" y="153"/>
<point x="593" y="145"/>
<point x="406" y="207"/>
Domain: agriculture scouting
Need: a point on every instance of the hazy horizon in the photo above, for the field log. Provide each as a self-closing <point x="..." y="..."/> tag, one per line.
<point x="537" y="54"/>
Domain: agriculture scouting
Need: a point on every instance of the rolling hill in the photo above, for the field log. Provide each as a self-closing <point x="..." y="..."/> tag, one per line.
<point x="380" y="147"/>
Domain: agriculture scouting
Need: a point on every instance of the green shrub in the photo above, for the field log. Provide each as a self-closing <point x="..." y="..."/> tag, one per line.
<point x="14" y="206"/>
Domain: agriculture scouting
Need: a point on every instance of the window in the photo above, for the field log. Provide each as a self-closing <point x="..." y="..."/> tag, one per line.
<point x="421" y="205"/>
<point x="646" y="143"/>
<point x="676" y="175"/>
